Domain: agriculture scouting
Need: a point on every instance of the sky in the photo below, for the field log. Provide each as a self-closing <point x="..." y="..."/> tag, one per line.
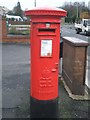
<point x="29" y="4"/>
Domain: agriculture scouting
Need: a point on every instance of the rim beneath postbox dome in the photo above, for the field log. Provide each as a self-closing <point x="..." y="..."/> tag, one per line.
<point x="46" y="11"/>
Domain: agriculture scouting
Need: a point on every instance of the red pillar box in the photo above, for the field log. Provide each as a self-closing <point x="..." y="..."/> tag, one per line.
<point x="45" y="39"/>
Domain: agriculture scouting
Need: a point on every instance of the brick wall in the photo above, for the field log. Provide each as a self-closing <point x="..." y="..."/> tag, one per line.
<point x="4" y="28"/>
<point x="0" y="28"/>
<point x="14" y="38"/>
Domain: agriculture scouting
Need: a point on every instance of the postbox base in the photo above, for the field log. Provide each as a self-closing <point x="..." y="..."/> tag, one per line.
<point x="43" y="108"/>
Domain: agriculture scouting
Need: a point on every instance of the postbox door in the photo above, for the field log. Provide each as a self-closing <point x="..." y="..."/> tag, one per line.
<point x="44" y="67"/>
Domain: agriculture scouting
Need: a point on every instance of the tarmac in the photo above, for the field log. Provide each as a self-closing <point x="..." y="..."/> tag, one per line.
<point x="16" y="87"/>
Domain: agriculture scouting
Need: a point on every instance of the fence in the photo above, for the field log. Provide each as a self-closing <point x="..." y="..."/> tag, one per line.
<point x="12" y="38"/>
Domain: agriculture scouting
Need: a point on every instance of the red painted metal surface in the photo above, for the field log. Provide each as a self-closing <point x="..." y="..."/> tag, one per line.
<point x="45" y="39"/>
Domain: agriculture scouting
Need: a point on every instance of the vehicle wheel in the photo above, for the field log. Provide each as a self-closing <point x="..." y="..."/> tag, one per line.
<point x="85" y="32"/>
<point x="77" y="31"/>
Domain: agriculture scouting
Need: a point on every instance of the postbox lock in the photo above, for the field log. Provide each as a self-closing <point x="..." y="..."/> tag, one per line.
<point x="47" y="25"/>
<point x="56" y="65"/>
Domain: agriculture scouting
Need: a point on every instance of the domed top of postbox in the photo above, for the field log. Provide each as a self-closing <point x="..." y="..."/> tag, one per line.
<point x="46" y="11"/>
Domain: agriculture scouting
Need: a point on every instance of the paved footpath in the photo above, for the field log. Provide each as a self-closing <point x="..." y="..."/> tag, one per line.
<point x="88" y="72"/>
<point x="88" y="65"/>
<point x="16" y="90"/>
